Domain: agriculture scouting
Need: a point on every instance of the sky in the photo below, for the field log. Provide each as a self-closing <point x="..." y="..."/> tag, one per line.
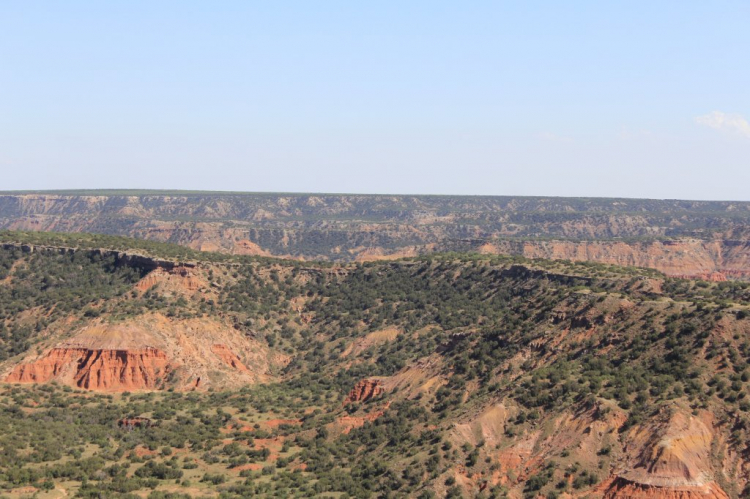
<point x="579" y="98"/>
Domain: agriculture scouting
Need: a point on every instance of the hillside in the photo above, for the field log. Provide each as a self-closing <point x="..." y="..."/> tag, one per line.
<point x="154" y="370"/>
<point x="680" y="238"/>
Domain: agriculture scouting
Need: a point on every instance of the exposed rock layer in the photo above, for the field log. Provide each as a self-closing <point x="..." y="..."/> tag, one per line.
<point x="150" y="352"/>
<point x="229" y="357"/>
<point x="364" y="390"/>
<point x="668" y="458"/>
<point x="145" y="263"/>
<point x="107" y="370"/>
<point x="713" y="260"/>
<point x="680" y="238"/>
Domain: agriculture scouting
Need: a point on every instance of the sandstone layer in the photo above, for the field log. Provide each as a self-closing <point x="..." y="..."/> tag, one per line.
<point x="624" y="489"/>
<point x="96" y="369"/>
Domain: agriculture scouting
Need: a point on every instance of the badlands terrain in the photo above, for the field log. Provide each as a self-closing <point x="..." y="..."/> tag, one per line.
<point x="133" y="368"/>
<point x="710" y="240"/>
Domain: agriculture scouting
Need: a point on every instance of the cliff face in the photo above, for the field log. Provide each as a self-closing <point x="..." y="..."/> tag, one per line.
<point x="105" y="370"/>
<point x="688" y="238"/>
<point x="131" y="259"/>
<point x="365" y="390"/>
<point x="712" y="260"/>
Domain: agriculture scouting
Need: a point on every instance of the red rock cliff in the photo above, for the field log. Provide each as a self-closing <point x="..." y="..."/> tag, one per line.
<point x="364" y="390"/>
<point x="110" y="370"/>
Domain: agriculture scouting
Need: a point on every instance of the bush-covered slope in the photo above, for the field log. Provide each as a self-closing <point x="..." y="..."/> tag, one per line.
<point x="449" y="375"/>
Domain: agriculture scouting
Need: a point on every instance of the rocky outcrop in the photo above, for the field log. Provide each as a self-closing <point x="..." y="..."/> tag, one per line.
<point x="150" y="352"/>
<point x="488" y="427"/>
<point x="711" y="276"/>
<point x="181" y="279"/>
<point x="370" y="340"/>
<point x="669" y="458"/>
<point x="245" y="247"/>
<point x="365" y="390"/>
<point x="144" y="262"/>
<point x="690" y="258"/>
<point x="345" y="424"/>
<point x="106" y="370"/>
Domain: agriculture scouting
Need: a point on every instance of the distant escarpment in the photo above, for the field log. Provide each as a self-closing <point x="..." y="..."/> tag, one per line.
<point x="709" y="240"/>
<point x="714" y="260"/>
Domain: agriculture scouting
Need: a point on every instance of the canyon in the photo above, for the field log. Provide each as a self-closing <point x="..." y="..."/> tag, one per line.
<point x="696" y="239"/>
<point x="525" y="377"/>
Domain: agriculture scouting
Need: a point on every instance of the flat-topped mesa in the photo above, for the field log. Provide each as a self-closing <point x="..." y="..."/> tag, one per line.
<point x="365" y="390"/>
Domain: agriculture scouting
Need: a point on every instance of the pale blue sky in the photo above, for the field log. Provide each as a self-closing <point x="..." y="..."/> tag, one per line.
<point x="630" y="98"/>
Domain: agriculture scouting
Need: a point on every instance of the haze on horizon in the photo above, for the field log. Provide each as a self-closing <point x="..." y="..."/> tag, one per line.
<point x="601" y="99"/>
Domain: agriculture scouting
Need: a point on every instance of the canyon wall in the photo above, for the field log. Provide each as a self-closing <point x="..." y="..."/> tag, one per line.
<point x="711" y="260"/>
<point x="710" y="240"/>
<point x="146" y="353"/>
<point x="92" y="369"/>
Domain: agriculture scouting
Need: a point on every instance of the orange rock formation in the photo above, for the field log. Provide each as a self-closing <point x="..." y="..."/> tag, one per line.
<point x="693" y="258"/>
<point x="624" y="489"/>
<point x="348" y="423"/>
<point x="110" y="370"/>
<point x="149" y="352"/>
<point x="364" y="390"/>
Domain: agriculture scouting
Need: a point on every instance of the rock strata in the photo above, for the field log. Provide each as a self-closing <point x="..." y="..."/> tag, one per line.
<point x="106" y="370"/>
<point x="364" y="390"/>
